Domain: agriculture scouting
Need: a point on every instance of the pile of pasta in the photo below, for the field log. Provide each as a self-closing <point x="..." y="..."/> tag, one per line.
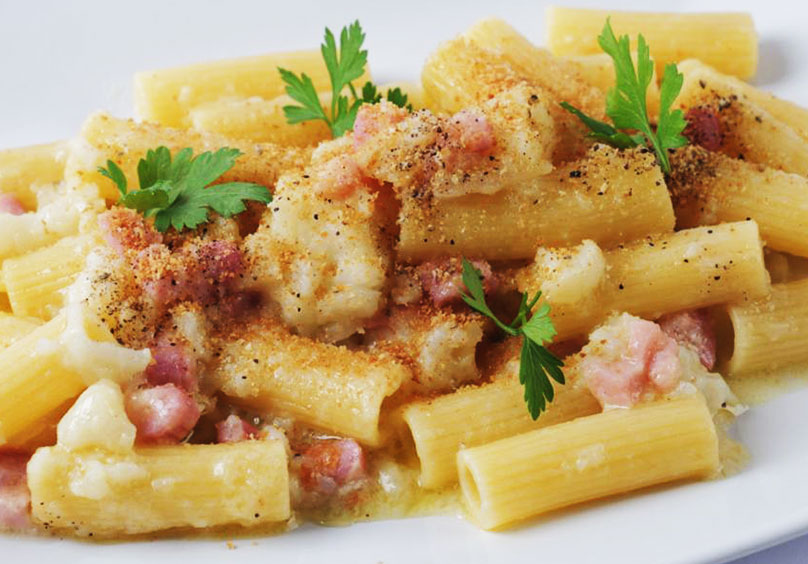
<point x="338" y="372"/>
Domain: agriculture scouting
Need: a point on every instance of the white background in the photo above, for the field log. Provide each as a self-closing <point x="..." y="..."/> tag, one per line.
<point x="61" y="60"/>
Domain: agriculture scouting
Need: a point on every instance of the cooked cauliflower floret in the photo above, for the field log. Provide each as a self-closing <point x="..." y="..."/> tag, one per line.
<point x="322" y="255"/>
<point x="440" y="346"/>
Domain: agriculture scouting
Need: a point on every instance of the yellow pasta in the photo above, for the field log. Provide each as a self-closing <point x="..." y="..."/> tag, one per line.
<point x="326" y="386"/>
<point x="126" y="142"/>
<point x="709" y="188"/>
<point x="726" y="86"/>
<point x="104" y="494"/>
<point x="592" y="457"/>
<point x="263" y="120"/>
<point x="562" y="79"/>
<point x="259" y="120"/>
<point x="609" y="196"/>
<point x="441" y="426"/>
<point x="34" y="382"/>
<point x="491" y="59"/>
<point x="771" y="332"/>
<point x="748" y="130"/>
<point x="726" y="41"/>
<point x="784" y="267"/>
<point x="665" y="273"/>
<point x="167" y="96"/>
<point x="13" y="328"/>
<point x="24" y="168"/>
<point x="43" y="371"/>
<point x="36" y="282"/>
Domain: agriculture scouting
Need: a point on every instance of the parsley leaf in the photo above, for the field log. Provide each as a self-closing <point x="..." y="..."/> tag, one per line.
<point x="371" y="94"/>
<point x="671" y="123"/>
<point x="604" y="132"/>
<point x="114" y="173"/>
<point x="626" y="102"/>
<point x="537" y="365"/>
<point x="344" y="64"/>
<point x="176" y="191"/>
<point x="396" y="96"/>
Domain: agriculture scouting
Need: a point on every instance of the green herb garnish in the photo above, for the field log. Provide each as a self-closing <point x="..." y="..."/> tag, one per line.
<point x="344" y="65"/>
<point x="537" y="364"/>
<point x="626" y="102"/>
<point x="177" y="192"/>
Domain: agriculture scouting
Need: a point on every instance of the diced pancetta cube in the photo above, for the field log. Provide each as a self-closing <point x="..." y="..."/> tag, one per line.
<point x="628" y="360"/>
<point x="14" y="496"/>
<point x="235" y="429"/>
<point x="9" y="203"/>
<point x="443" y="279"/>
<point x="330" y="464"/>
<point x="162" y="414"/>
<point x="692" y="329"/>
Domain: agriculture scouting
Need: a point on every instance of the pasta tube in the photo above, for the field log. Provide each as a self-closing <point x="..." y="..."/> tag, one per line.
<point x="262" y="120"/>
<point x="783" y="267"/>
<point x="748" y="130"/>
<point x="440" y="427"/>
<point x="656" y="275"/>
<point x="696" y="72"/>
<point x="259" y="120"/>
<point x="126" y="142"/>
<point x="726" y="41"/>
<point x="609" y="196"/>
<point x="487" y="62"/>
<point x="36" y="282"/>
<point x="24" y="168"/>
<point x="99" y="493"/>
<point x="13" y="328"/>
<point x="770" y="332"/>
<point x="592" y="457"/>
<point x="41" y="373"/>
<point x="167" y="96"/>
<point x="564" y="80"/>
<point x="34" y="383"/>
<point x="710" y="188"/>
<point x="323" y="385"/>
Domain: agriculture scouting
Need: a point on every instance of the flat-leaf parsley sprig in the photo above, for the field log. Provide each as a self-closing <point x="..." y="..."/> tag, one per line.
<point x="536" y="364"/>
<point x="345" y="65"/>
<point x="177" y="192"/>
<point x="626" y="102"/>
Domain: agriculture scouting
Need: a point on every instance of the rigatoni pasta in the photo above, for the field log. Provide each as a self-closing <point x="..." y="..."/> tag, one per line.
<point x="22" y="170"/>
<point x="259" y="120"/>
<point x="124" y="141"/>
<point x="709" y="188"/>
<point x="688" y="269"/>
<point x="111" y="494"/>
<point x="36" y="282"/>
<point x="613" y="197"/>
<point x="770" y="332"/>
<point x="439" y="428"/>
<point x="748" y="131"/>
<point x="727" y="41"/>
<point x="13" y="328"/>
<point x="329" y="387"/>
<point x="298" y="295"/>
<point x="592" y="457"/>
<point x="167" y="96"/>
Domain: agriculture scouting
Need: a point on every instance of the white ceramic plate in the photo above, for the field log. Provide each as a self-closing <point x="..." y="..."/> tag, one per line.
<point x="61" y="61"/>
